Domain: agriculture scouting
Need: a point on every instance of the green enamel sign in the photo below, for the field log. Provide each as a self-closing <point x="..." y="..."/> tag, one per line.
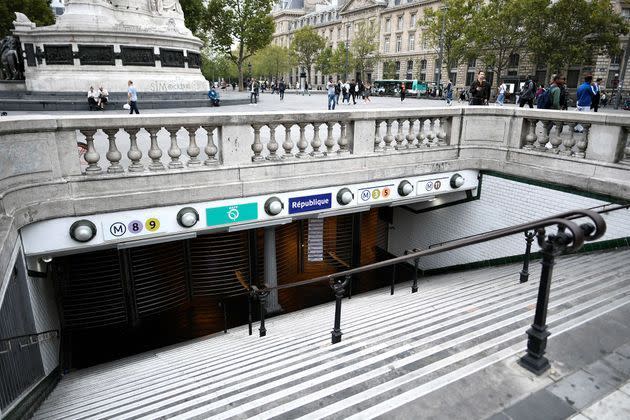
<point x="231" y="214"/>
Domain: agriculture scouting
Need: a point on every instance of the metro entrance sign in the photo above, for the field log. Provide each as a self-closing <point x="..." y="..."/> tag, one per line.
<point x="224" y="215"/>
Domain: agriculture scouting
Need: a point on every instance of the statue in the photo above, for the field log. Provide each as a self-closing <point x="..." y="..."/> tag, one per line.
<point x="11" y="59"/>
<point x="161" y="6"/>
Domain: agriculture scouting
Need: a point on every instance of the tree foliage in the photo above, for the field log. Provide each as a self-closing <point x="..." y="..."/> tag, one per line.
<point x="215" y="67"/>
<point x="457" y="16"/>
<point x="194" y="16"/>
<point x="365" y="48"/>
<point x="38" y="11"/>
<point x="339" y="57"/>
<point x="246" y="24"/>
<point x="574" y="31"/>
<point x="324" y="61"/>
<point x="389" y="70"/>
<point x="306" y="47"/>
<point x="272" y="61"/>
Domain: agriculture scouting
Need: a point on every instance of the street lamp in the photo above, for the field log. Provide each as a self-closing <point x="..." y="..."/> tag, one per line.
<point x="441" y="55"/>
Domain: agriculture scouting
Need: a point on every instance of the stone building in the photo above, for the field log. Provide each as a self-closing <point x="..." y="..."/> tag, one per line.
<point x="403" y="44"/>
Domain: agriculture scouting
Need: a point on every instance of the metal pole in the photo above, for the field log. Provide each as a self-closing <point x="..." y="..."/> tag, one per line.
<point x="391" y="292"/>
<point x="534" y="360"/>
<point x="414" y="286"/>
<point x="622" y="75"/>
<point x="345" y="75"/>
<point x="339" y="288"/>
<point x="529" y="238"/>
<point x="262" y="298"/>
<point x="441" y="55"/>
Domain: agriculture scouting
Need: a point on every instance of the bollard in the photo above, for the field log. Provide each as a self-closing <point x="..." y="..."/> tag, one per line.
<point x="529" y="238"/>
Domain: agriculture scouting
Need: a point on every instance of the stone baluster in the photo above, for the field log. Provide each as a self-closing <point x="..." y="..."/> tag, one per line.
<point x="400" y="136"/>
<point x="302" y="144"/>
<point x="193" y="149"/>
<point x="544" y="139"/>
<point x="388" y="138"/>
<point x="134" y="154"/>
<point x="441" y="133"/>
<point x="316" y="143"/>
<point x="113" y="155"/>
<point x="330" y="141"/>
<point x="287" y="145"/>
<point x="155" y="153"/>
<point x="569" y="141"/>
<point x="211" y="149"/>
<point x="556" y="139"/>
<point x="377" y="136"/>
<point x="91" y="156"/>
<point x="431" y="134"/>
<point x="411" y="137"/>
<point x="257" y="147"/>
<point x="530" y="138"/>
<point x="174" y="152"/>
<point x="343" y="139"/>
<point x="272" y="145"/>
<point x="582" y="142"/>
<point x="421" y="136"/>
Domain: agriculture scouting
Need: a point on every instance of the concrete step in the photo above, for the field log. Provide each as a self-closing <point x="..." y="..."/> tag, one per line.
<point x="394" y="348"/>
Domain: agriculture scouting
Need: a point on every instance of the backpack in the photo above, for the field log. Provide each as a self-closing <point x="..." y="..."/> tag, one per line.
<point x="545" y="100"/>
<point x="337" y="89"/>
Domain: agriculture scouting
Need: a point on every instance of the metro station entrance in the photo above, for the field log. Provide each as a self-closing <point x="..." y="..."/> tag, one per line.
<point x="118" y="302"/>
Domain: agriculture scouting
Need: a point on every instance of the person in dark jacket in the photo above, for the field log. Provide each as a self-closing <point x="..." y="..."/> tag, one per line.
<point x="528" y="92"/>
<point x="480" y="90"/>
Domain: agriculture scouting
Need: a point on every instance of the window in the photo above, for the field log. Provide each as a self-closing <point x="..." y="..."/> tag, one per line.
<point x="399" y="25"/>
<point x="612" y="81"/>
<point x="573" y="77"/>
<point x="514" y="59"/>
<point x="616" y="60"/>
<point x="386" y="44"/>
<point x="453" y="77"/>
<point x="388" y="25"/>
<point x="409" y="65"/>
<point x="424" y="42"/>
<point x="423" y="65"/>
<point x="412" y="42"/>
<point x="472" y="63"/>
<point x="398" y="43"/>
<point x="412" y="21"/>
<point x="625" y="12"/>
<point x="339" y="32"/>
<point x="470" y="77"/>
<point x="423" y="77"/>
<point x="423" y="71"/>
<point x="397" y="65"/>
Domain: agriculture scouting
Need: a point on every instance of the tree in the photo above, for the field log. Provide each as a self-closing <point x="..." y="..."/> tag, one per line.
<point x="272" y="61"/>
<point x="389" y="70"/>
<point x="247" y="24"/>
<point x="215" y="67"/>
<point x="365" y="48"/>
<point x="338" y="60"/>
<point x="306" y="47"/>
<point x="457" y="17"/>
<point x="38" y="11"/>
<point x="500" y="30"/>
<point x="194" y="17"/>
<point x="324" y="62"/>
<point x="594" y="28"/>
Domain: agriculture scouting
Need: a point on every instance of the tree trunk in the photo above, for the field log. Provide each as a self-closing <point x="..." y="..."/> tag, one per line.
<point x="239" y="65"/>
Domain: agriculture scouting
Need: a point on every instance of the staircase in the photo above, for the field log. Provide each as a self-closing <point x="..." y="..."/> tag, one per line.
<point x="395" y="349"/>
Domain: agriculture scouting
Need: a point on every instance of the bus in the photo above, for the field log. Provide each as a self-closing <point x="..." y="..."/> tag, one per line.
<point x="391" y="87"/>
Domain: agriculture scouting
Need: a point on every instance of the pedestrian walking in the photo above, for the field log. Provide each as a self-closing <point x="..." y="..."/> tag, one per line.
<point x="253" y="92"/>
<point x="353" y="92"/>
<point x="330" y="87"/>
<point x="366" y="92"/>
<point x="501" y="96"/>
<point x="403" y="91"/>
<point x="597" y="94"/>
<point x="281" y="88"/>
<point x="132" y="97"/>
<point x="480" y="90"/>
<point x="345" y="91"/>
<point x="584" y="95"/>
<point x="528" y="91"/>
<point x="337" y="91"/>
<point x="449" y="92"/>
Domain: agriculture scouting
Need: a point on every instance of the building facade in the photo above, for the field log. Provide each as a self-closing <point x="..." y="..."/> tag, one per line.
<point x="406" y="52"/>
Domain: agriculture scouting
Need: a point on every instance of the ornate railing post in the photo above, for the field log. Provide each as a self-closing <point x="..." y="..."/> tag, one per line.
<point x="134" y="154"/>
<point x="569" y="141"/>
<point x="113" y="155"/>
<point x="542" y="141"/>
<point x="155" y="153"/>
<point x="421" y="136"/>
<point x="193" y="150"/>
<point x="316" y="142"/>
<point x="400" y="136"/>
<point x="582" y="143"/>
<point x="302" y="144"/>
<point x="91" y="156"/>
<point x="431" y="135"/>
<point x="330" y="141"/>
<point x="441" y="133"/>
<point x="556" y="140"/>
<point x="377" y="136"/>
<point x="414" y="286"/>
<point x="530" y="138"/>
<point x="551" y="246"/>
<point x="388" y="138"/>
<point x="211" y="149"/>
<point x="174" y="152"/>
<point x="343" y="143"/>
<point x="529" y="238"/>
<point x="339" y="288"/>
<point x="410" y="137"/>
<point x="287" y="145"/>
<point x="272" y="145"/>
<point x="257" y="147"/>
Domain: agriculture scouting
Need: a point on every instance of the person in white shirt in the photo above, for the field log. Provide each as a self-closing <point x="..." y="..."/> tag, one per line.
<point x="502" y="90"/>
<point x="92" y="98"/>
<point x="103" y="96"/>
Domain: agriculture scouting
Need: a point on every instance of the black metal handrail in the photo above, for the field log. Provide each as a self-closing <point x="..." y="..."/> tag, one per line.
<point x="569" y="237"/>
<point x="33" y="339"/>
